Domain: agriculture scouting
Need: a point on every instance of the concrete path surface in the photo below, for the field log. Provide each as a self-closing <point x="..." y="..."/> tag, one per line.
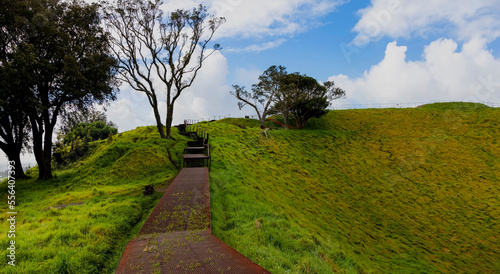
<point x="177" y="237"/>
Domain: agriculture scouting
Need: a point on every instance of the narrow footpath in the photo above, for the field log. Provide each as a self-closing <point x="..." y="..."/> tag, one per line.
<point x="177" y="236"/>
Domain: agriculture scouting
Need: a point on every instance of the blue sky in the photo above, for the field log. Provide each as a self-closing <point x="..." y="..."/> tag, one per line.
<point x="379" y="51"/>
<point x="316" y="51"/>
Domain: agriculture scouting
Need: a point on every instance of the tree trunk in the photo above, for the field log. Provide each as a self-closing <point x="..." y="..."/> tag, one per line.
<point x="47" y="154"/>
<point x="44" y="171"/>
<point x="13" y="152"/>
<point x="14" y="155"/>
<point x="301" y="121"/>
<point x="42" y="147"/>
<point x="297" y="121"/>
<point x="159" y="125"/>
<point x="285" y="117"/>
<point x="18" y="165"/>
<point x="37" y="133"/>
<point x="262" y="118"/>
<point x="170" y="117"/>
<point x="263" y="123"/>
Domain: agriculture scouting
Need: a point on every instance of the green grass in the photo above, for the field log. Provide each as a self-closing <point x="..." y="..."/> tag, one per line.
<point x="396" y="190"/>
<point x="89" y="238"/>
<point x="456" y="105"/>
<point x="357" y="191"/>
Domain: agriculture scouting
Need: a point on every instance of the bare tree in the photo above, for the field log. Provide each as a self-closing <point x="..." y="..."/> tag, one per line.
<point x="152" y="47"/>
<point x="262" y="94"/>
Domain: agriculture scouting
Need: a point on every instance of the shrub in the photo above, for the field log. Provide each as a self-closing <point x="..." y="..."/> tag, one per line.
<point x="94" y="131"/>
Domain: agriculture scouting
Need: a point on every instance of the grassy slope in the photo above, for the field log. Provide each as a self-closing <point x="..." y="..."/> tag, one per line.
<point x="410" y="190"/>
<point x="394" y="190"/>
<point x="89" y="238"/>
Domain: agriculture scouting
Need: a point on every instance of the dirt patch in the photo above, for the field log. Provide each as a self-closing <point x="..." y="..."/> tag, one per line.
<point x="64" y="206"/>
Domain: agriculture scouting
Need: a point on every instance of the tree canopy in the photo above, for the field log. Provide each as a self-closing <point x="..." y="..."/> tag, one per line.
<point x="304" y="98"/>
<point x="262" y="94"/>
<point x="15" y="79"/>
<point x="74" y="116"/>
<point x="293" y="94"/>
<point x="63" y="57"/>
<point x="97" y="130"/>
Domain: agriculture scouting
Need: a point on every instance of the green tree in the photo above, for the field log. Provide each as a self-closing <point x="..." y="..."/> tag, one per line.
<point x="288" y="89"/>
<point x="97" y="130"/>
<point x="152" y="47"/>
<point x="14" y="122"/>
<point x="303" y="97"/>
<point x="262" y="94"/>
<point x="72" y="65"/>
<point x="74" y="116"/>
<point x="15" y="79"/>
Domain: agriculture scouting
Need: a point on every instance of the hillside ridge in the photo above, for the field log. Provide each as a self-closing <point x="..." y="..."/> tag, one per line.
<point x="363" y="190"/>
<point x="357" y="191"/>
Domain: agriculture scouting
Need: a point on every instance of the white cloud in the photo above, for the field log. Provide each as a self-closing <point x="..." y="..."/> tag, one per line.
<point x="463" y="19"/>
<point x="209" y="96"/>
<point x="259" y="18"/>
<point x="262" y="18"/>
<point x="444" y="74"/>
<point x="126" y="112"/>
<point x="259" y="47"/>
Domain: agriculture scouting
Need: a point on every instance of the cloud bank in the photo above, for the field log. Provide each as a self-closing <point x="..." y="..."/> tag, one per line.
<point x="446" y="73"/>
<point x="463" y="19"/>
<point x="262" y="18"/>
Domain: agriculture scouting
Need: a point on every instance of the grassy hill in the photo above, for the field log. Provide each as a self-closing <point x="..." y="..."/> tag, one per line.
<point x="358" y="191"/>
<point x="391" y="190"/>
<point x="88" y="237"/>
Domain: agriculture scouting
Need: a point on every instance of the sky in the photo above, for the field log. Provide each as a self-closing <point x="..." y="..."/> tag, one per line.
<point x="378" y="51"/>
